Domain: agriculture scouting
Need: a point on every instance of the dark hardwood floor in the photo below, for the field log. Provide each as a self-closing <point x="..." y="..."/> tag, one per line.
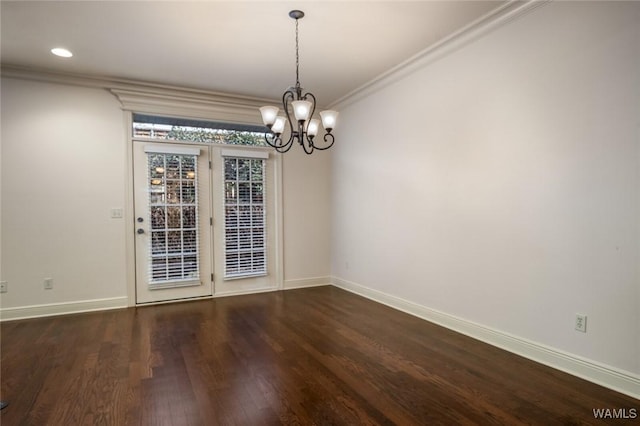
<point x="313" y="356"/>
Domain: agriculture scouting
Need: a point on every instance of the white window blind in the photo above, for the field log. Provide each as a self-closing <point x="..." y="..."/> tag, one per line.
<point x="245" y="214"/>
<point x="173" y="216"/>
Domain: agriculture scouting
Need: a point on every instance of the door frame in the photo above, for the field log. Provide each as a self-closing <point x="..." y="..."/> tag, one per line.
<point x="129" y="216"/>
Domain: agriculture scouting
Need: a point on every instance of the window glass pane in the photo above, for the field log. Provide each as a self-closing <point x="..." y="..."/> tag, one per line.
<point x="256" y="193"/>
<point x="172" y="166"/>
<point x="157" y="217"/>
<point x="189" y="242"/>
<point x="231" y="213"/>
<point x="244" y="217"/>
<point x="230" y="168"/>
<point x="173" y="218"/>
<point x="158" y="242"/>
<point x="189" y="217"/>
<point x="174" y="268"/>
<point x="231" y="240"/>
<point x="257" y="216"/>
<point x="243" y="169"/>
<point x="173" y="192"/>
<point x="190" y="267"/>
<point x="244" y="192"/>
<point x="230" y="192"/>
<point x="256" y="170"/>
<point x="174" y="241"/>
<point x="179" y="129"/>
<point x="188" y="189"/>
<point x="159" y="269"/>
<point x="188" y="167"/>
<point x="173" y="215"/>
<point x="245" y="232"/>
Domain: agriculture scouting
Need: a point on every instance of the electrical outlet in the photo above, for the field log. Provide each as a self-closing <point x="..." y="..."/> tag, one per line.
<point x="48" y="283"/>
<point x="581" y="323"/>
<point x="4" y="286"/>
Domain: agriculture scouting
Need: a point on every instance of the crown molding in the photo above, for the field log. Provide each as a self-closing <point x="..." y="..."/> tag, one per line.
<point x="178" y="104"/>
<point x="498" y="17"/>
<point x="153" y="98"/>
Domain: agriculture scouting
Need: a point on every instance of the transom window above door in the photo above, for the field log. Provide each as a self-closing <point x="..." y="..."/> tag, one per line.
<point x="189" y="130"/>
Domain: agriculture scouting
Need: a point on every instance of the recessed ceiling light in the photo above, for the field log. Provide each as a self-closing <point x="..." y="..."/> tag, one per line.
<point x="62" y="52"/>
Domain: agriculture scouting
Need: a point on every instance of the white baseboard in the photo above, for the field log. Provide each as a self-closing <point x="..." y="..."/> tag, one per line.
<point x="244" y="292"/>
<point x="604" y="375"/>
<point x="306" y="282"/>
<point x="36" y="311"/>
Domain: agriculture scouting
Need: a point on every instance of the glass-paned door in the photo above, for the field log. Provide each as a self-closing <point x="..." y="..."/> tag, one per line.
<point x="172" y="211"/>
<point x="244" y="220"/>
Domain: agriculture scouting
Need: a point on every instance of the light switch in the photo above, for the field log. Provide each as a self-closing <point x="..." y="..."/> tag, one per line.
<point x="116" y="213"/>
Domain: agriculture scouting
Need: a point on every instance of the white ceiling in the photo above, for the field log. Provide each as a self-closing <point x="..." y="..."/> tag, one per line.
<point x="238" y="47"/>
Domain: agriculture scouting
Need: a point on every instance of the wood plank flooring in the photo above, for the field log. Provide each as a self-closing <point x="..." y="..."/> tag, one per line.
<point x="313" y="356"/>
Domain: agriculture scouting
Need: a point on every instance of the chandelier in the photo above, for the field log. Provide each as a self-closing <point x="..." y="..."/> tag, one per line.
<point x="302" y="126"/>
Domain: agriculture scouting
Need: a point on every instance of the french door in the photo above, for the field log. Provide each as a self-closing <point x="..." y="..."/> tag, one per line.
<point x="204" y="221"/>
<point x="244" y="221"/>
<point x="172" y="210"/>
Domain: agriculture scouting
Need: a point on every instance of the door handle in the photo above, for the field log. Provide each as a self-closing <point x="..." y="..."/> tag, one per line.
<point x="140" y="231"/>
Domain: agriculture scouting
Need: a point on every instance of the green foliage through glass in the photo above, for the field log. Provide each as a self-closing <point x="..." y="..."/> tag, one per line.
<point x="198" y="134"/>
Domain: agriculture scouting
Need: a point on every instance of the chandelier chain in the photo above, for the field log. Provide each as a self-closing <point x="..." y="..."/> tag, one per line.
<point x="297" y="58"/>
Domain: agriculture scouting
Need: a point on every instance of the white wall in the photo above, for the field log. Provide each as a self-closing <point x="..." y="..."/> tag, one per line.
<point x="64" y="168"/>
<point x="500" y="183"/>
<point x="306" y="182"/>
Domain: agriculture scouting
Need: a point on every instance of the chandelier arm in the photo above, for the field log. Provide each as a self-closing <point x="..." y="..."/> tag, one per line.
<point x="286" y="98"/>
<point x="289" y="143"/>
<point x="307" y="151"/>
<point x="309" y="143"/>
<point x="274" y="140"/>
<point x="305" y="140"/>
<point x="277" y="144"/>
<point x="313" y="103"/>
<point x="308" y="147"/>
<point x="326" y="137"/>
